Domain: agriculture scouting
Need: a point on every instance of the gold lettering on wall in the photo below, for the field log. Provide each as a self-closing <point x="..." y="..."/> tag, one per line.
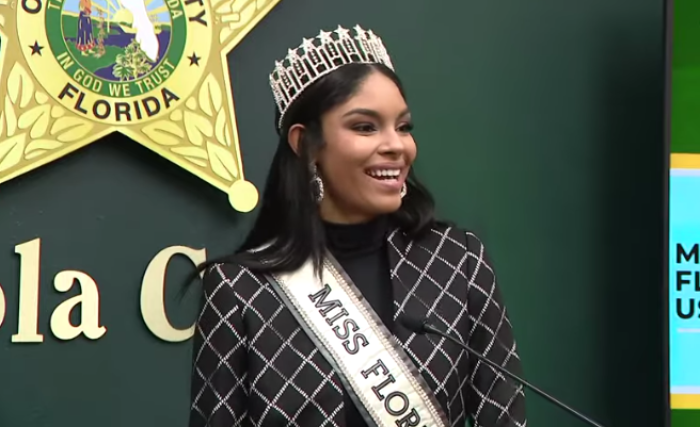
<point x="89" y="302"/>
<point x="153" y="293"/>
<point x="28" y="318"/>
<point x="152" y="299"/>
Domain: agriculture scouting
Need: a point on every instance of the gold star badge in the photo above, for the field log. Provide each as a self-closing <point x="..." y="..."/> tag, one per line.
<point x="73" y="71"/>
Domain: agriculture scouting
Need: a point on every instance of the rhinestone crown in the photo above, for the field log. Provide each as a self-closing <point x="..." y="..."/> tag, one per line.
<point x="316" y="57"/>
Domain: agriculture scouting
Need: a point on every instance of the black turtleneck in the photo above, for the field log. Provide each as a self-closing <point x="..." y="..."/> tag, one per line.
<point x="361" y="251"/>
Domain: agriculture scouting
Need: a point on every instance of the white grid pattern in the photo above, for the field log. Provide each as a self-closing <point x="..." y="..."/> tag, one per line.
<point x="255" y="366"/>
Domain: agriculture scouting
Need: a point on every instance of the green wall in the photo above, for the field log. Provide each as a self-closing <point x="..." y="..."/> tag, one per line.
<point x="539" y="126"/>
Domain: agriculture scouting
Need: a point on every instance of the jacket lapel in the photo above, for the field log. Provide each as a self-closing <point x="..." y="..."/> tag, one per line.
<point x="407" y="269"/>
<point x="414" y="295"/>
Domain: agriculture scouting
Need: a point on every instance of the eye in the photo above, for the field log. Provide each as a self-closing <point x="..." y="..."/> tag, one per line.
<point x="364" y="128"/>
<point x="406" y="128"/>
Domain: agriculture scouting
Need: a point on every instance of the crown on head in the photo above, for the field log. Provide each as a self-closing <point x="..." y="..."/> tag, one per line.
<point x="316" y="57"/>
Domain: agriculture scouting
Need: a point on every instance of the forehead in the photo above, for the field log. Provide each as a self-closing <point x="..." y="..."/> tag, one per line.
<point x="377" y="92"/>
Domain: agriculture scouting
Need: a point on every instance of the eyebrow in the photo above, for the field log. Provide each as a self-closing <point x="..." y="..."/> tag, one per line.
<point x="372" y="113"/>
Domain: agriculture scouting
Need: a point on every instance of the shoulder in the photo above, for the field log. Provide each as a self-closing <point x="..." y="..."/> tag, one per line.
<point x="460" y="246"/>
<point x="230" y="278"/>
<point x="451" y="238"/>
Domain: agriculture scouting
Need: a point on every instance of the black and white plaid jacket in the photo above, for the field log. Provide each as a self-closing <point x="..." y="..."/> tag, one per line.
<point x="255" y="366"/>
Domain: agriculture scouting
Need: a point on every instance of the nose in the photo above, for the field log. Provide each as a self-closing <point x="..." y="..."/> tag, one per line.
<point x="393" y="143"/>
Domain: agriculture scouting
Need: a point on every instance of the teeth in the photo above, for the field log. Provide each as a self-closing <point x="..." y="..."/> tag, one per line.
<point x="389" y="173"/>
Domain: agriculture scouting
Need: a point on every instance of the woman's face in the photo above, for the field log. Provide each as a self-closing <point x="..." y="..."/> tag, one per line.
<point x="367" y="153"/>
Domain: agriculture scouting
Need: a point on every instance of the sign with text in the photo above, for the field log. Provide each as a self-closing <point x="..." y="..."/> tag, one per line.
<point x="87" y="302"/>
<point x="684" y="217"/>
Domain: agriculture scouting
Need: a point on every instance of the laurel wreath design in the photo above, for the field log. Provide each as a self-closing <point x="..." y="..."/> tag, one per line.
<point x="29" y="126"/>
<point x="207" y="137"/>
<point x="3" y="4"/>
<point x="235" y="15"/>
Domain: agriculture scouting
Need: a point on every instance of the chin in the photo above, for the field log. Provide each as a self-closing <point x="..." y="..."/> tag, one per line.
<point x="387" y="206"/>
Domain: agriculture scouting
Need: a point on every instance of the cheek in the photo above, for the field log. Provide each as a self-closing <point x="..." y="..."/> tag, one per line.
<point x="411" y="149"/>
<point x="343" y="164"/>
<point x="347" y="152"/>
<point x="345" y="179"/>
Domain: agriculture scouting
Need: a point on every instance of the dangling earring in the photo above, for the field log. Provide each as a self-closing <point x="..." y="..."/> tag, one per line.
<point x="316" y="184"/>
<point x="404" y="190"/>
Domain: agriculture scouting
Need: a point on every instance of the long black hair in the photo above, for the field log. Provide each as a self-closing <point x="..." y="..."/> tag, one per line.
<point x="289" y="222"/>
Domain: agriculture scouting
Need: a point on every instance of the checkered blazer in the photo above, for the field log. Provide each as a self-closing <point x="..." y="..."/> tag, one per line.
<point x="255" y="366"/>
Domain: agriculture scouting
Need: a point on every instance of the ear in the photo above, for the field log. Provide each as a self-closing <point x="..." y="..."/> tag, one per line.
<point x="294" y="137"/>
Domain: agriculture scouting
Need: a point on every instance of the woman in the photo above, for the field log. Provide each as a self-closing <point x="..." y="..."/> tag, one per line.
<point x="304" y="325"/>
<point x="85" y="40"/>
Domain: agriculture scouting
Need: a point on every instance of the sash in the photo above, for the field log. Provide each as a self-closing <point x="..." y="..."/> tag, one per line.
<point x="375" y="370"/>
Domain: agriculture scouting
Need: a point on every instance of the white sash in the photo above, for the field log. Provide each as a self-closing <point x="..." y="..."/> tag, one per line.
<point x="382" y="381"/>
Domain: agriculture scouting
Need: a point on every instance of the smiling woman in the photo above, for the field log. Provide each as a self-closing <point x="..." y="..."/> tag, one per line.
<point x="302" y="325"/>
<point x="367" y="148"/>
